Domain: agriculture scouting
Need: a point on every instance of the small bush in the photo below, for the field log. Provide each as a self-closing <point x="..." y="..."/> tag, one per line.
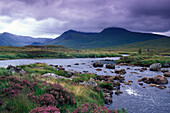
<point x="45" y="110"/>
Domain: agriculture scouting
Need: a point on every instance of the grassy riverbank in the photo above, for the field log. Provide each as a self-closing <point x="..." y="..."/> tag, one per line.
<point x="145" y="59"/>
<point x="48" y="51"/>
<point x="26" y="90"/>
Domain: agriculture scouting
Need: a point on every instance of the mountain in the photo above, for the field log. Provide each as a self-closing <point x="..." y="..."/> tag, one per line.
<point x="108" y="37"/>
<point x="7" y="39"/>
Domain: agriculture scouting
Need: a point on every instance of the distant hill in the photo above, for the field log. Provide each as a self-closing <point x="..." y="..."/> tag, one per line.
<point x="106" y="38"/>
<point x="160" y="45"/>
<point x="7" y="39"/>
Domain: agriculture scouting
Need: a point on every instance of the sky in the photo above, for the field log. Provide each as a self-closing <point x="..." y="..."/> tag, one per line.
<point x="50" y="18"/>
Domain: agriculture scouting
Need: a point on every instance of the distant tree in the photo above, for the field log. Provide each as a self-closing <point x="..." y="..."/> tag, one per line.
<point x="140" y="51"/>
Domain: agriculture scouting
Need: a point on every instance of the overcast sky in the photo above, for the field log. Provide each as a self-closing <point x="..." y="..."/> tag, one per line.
<point x="50" y="18"/>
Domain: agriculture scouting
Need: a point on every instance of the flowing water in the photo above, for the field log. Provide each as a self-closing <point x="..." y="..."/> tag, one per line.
<point x="135" y="98"/>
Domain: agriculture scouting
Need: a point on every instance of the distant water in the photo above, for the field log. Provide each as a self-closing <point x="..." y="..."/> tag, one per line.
<point x="134" y="99"/>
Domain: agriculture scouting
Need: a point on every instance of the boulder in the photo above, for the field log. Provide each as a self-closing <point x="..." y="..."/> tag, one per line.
<point x="15" y="69"/>
<point x="121" y="71"/>
<point x="110" y="66"/>
<point x="155" y="67"/>
<point x="98" y="64"/>
<point x="156" y="80"/>
<point x="68" y="65"/>
<point x="167" y="74"/>
<point x="89" y="83"/>
<point x="160" y="79"/>
<point x="72" y="72"/>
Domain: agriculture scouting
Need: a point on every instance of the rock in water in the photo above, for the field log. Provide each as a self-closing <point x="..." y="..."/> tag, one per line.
<point x="158" y="79"/>
<point x="98" y="64"/>
<point x="121" y="71"/>
<point x="167" y="74"/>
<point x="155" y="67"/>
<point x="110" y="66"/>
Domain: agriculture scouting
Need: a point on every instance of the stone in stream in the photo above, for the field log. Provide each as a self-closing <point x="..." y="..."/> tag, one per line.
<point x="68" y="65"/>
<point x="121" y="71"/>
<point x="155" y="67"/>
<point x="76" y="64"/>
<point x="158" y="79"/>
<point x="141" y="84"/>
<point x="98" y="69"/>
<point x="98" y="64"/>
<point x="164" y="70"/>
<point x="144" y="68"/>
<point x="110" y="66"/>
<point x="167" y="74"/>
<point x="118" y="92"/>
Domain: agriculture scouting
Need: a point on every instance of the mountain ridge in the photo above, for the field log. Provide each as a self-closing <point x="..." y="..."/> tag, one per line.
<point x="108" y="37"/>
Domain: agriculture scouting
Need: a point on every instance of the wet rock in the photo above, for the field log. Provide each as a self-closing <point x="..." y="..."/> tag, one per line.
<point x="83" y="63"/>
<point x="110" y="66"/>
<point x="118" y="92"/>
<point x="130" y="81"/>
<point x="158" y="79"/>
<point x="141" y="84"/>
<point x="76" y="64"/>
<point x="105" y="71"/>
<point x="161" y="87"/>
<point x="107" y="96"/>
<point x="123" y="64"/>
<point x="111" y="78"/>
<point x="128" y="68"/>
<point x="98" y="64"/>
<point x="85" y="71"/>
<point x="164" y="70"/>
<point x="116" y="84"/>
<point x="155" y="67"/>
<point x="119" y="77"/>
<point x="139" y="80"/>
<point x="98" y="69"/>
<point x="68" y="65"/>
<point x="121" y="71"/>
<point x="134" y="73"/>
<point x="144" y="68"/>
<point x="89" y="83"/>
<point x="167" y="74"/>
<point x="152" y="85"/>
<point x="143" y="87"/>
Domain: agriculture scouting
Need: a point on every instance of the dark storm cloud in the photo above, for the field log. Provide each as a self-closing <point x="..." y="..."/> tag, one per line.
<point x="56" y="16"/>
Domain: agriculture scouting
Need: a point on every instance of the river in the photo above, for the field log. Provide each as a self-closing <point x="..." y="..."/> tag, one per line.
<point x="135" y="98"/>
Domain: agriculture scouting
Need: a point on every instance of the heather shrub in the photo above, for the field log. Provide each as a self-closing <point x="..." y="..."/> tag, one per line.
<point x="93" y="108"/>
<point x="61" y="94"/>
<point x="45" y="110"/>
<point x="47" y="99"/>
